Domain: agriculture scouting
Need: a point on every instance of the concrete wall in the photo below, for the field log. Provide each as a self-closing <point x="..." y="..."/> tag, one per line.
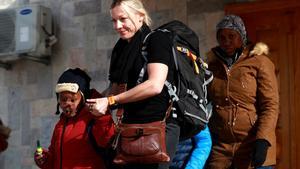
<point x="85" y="39"/>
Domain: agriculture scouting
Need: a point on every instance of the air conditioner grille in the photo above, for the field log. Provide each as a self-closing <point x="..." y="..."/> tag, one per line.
<point x="7" y="31"/>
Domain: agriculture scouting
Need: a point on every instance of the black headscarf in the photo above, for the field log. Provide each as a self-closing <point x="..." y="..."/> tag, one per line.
<point x="126" y="59"/>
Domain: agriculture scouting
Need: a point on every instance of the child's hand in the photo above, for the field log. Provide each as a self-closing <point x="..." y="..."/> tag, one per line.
<point x="39" y="158"/>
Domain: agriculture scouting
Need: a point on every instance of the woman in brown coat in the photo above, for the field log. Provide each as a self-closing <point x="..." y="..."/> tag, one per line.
<point x="245" y="97"/>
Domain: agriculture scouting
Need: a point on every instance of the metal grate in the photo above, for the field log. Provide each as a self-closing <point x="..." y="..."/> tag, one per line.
<point x="7" y="31"/>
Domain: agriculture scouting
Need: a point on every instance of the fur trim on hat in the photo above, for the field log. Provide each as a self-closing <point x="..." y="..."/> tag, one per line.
<point x="260" y="49"/>
<point x="67" y="87"/>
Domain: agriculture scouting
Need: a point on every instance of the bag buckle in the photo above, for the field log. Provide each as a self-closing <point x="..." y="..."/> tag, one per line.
<point x="139" y="132"/>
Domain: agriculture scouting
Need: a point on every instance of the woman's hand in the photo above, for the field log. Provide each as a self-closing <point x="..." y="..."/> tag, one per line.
<point x="98" y="107"/>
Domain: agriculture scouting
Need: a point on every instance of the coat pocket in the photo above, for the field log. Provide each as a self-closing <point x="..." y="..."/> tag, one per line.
<point x="244" y="124"/>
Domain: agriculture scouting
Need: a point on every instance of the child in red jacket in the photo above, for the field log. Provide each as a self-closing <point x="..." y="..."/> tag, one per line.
<point x="71" y="147"/>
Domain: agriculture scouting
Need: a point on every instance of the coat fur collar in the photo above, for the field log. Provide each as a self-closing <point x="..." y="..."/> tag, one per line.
<point x="260" y="48"/>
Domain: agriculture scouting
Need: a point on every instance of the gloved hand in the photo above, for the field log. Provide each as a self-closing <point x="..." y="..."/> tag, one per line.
<point x="260" y="152"/>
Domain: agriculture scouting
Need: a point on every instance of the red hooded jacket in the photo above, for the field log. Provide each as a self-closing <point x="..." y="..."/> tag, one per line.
<point x="70" y="145"/>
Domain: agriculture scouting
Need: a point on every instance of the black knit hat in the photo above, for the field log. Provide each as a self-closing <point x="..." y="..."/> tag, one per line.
<point x="73" y="80"/>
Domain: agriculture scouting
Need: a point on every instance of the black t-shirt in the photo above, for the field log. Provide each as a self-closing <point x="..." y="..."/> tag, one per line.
<point x="154" y="108"/>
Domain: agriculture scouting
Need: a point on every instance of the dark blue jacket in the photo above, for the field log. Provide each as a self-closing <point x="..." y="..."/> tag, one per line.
<point x="193" y="153"/>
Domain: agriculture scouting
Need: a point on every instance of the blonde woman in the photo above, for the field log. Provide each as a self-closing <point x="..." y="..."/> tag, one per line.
<point x="148" y="101"/>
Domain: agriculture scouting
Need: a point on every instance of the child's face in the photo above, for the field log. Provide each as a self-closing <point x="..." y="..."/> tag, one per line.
<point x="69" y="102"/>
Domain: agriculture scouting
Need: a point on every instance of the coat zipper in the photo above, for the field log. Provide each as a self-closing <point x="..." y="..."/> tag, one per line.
<point x="232" y="113"/>
<point x="61" y="142"/>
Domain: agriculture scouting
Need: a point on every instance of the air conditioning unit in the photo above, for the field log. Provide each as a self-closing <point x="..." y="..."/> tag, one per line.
<point x="25" y="31"/>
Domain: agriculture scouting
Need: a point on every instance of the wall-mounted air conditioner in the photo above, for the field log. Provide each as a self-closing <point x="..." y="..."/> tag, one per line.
<point x="25" y="31"/>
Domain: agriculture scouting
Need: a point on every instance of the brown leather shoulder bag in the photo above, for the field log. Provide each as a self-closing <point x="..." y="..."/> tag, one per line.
<point x="142" y="143"/>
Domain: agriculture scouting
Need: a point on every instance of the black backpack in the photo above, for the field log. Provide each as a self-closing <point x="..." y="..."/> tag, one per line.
<point x="189" y="94"/>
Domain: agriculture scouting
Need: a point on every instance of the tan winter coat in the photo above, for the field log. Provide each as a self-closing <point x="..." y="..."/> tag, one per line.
<point x="245" y="99"/>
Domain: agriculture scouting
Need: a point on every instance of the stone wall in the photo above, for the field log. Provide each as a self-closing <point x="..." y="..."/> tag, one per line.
<point x="85" y="39"/>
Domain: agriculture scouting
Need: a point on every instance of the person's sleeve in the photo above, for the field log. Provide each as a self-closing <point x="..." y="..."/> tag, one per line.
<point x="267" y="99"/>
<point x="103" y="130"/>
<point x="159" y="48"/>
<point x="3" y="143"/>
<point x="201" y="151"/>
<point x="49" y="154"/>
<point x="4" y="135"/>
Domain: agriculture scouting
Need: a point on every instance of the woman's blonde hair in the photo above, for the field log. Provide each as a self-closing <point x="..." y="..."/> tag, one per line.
<point x="131" y="7"/>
